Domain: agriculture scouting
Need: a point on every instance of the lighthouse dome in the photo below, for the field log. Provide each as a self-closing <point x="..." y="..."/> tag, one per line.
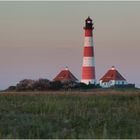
<point x="88" y="19"/>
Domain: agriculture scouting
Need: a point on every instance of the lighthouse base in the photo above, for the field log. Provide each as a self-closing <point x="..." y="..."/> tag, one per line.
<point x="88" y="81"/>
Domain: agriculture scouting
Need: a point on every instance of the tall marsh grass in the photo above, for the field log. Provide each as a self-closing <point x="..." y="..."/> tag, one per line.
<point x="69" y="115"/>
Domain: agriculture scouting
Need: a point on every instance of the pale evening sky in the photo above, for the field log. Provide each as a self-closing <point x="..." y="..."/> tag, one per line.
<point x="38" y="39"/>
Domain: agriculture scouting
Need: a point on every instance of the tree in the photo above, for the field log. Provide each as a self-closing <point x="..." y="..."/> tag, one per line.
<point x="41" y="84"/>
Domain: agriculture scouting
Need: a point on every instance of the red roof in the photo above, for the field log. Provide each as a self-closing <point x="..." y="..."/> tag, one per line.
<point x="112" y="74"/>
<point x="65" y="75"/>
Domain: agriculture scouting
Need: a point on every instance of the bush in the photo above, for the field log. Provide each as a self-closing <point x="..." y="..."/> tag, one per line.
<point x="124" y="86"/>
<point x="26" y="84"/>
<point x="11" y="88"/>
<point x="85" y="86"/>
<point x="55" y="85"/>
<point x="41" y="84"/>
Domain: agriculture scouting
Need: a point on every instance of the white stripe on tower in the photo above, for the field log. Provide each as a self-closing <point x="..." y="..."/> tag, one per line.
<point x="88" y="41"/>
<point x="88" y="61"/>
<point x="88" y="68"/>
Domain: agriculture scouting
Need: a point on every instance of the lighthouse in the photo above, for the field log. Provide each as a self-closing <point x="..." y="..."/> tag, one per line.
<point x="88" y="67"/>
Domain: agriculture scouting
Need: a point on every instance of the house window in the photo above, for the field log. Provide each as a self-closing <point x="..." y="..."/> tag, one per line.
<point x="119" y="82"/>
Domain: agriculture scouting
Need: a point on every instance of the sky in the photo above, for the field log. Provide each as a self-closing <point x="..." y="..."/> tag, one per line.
<point x="39" y="39"/>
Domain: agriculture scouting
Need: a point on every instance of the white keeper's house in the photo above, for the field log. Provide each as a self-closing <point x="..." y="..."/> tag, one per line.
<point x="112" y="78"/>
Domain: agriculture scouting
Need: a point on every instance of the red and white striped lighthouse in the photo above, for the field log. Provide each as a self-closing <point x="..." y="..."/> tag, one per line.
<point x="88" y="68"/>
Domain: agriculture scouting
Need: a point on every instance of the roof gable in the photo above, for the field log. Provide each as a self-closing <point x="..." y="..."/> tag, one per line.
<point x="65" y="75"/>
<point x="112" y="74"/>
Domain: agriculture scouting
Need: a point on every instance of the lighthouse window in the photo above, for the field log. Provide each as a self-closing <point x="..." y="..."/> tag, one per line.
<point x="88" y="21"/>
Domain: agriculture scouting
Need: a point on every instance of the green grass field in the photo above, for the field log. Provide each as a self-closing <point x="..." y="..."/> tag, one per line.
<point x="89" y="114"/>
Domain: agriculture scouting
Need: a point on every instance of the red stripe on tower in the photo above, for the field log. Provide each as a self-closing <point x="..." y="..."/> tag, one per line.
<point x="88" y="68"/>
<point x="88" y="32"/>
<point x="88" y="51"/>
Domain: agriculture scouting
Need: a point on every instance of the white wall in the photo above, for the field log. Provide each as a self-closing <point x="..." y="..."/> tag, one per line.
<point x="112" y="83"/>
